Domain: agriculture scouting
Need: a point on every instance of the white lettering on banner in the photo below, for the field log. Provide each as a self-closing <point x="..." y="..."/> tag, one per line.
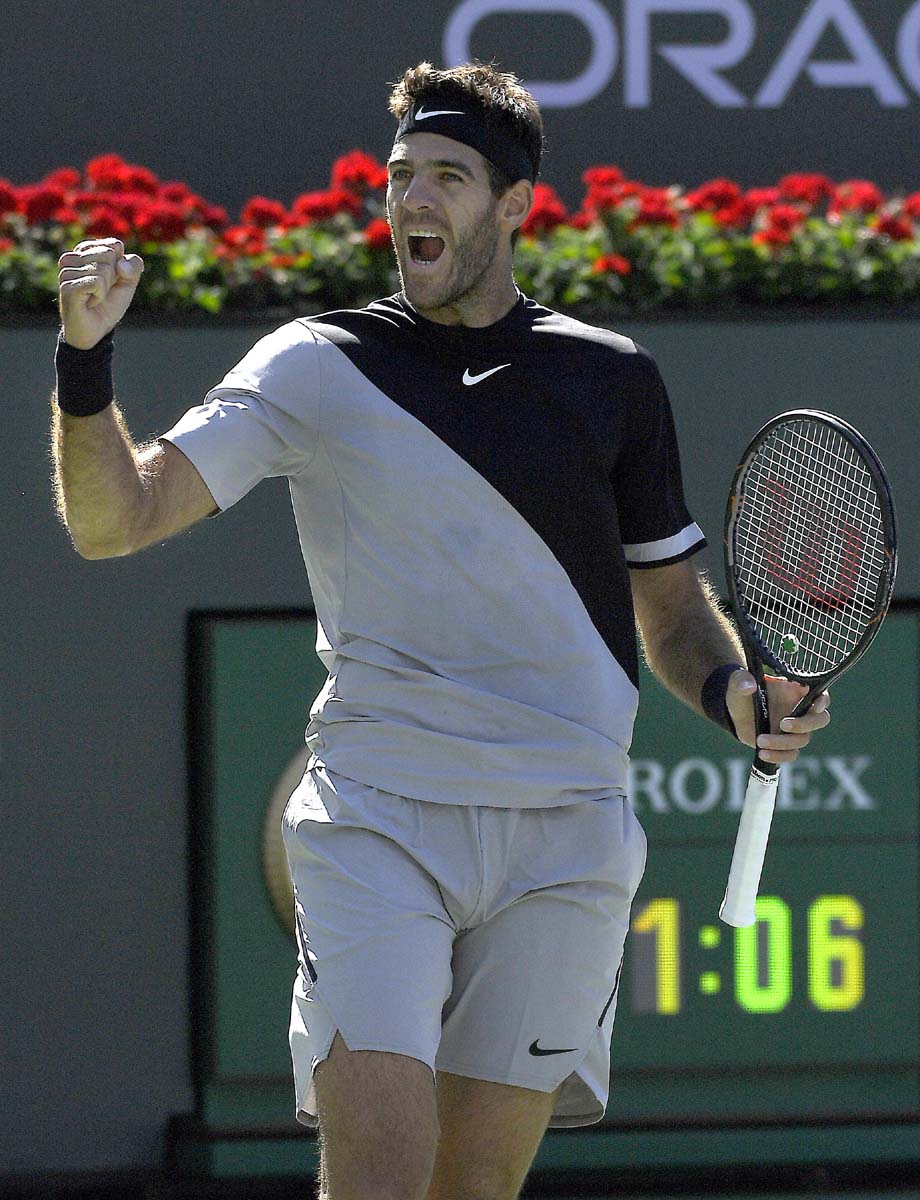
<point x="705" y="778"/>
<point x="797" y="791"/>
<point x="605" y="44"/>
<point x="867" y="68"/>
<point x="909" y="47"/>
<point x="648" y="786"/>
<point x="698" y="64"/>
<point x="850" y="788"/>
<point x="700" y="785"/>
<point x="703" y="65"/>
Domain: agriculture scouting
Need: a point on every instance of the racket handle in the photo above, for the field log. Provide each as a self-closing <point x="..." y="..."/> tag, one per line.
<point x="740" y="899"/>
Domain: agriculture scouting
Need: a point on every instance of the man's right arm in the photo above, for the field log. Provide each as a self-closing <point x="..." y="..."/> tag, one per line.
<point x="115" y="498"/>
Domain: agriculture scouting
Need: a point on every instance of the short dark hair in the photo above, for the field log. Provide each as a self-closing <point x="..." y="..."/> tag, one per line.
<point x="502" y="99"/>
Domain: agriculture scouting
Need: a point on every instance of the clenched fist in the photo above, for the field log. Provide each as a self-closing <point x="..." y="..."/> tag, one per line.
<point x="96" y="284"/>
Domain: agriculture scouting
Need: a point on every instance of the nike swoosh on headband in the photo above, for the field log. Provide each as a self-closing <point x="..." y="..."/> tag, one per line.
<point x="421" y="115"/>
<point x="469" y="379"/>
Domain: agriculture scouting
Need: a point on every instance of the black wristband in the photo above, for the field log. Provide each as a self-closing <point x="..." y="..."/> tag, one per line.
<point x="84" y="377"/>
<point x="713" y="696"/>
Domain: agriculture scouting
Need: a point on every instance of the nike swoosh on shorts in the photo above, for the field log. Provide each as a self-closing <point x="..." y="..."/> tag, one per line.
<point x="537" y="1052"/>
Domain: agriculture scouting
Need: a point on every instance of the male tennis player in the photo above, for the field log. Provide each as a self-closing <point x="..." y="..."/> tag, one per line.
<point x="488" y="497"/>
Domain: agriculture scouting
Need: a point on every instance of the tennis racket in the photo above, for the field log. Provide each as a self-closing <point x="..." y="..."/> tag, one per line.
<point x="810" y="561"/>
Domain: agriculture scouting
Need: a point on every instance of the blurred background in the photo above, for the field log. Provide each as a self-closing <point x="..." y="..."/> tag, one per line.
<point x="132" y="851"/>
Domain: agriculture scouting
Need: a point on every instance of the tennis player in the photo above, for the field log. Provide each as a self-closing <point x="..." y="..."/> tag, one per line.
<point x="488" y="496"/>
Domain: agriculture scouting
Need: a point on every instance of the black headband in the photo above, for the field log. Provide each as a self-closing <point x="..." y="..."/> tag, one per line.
<point x="468" y="126"/>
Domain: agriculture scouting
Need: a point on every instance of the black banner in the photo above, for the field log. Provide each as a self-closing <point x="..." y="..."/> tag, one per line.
<point x="241" y="99"/>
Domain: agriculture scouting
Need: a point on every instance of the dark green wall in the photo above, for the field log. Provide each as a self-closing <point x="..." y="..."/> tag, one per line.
<point x="92" y="752"/>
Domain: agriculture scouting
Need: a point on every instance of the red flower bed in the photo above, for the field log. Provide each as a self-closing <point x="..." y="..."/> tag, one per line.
<point x="112" y="198"/>
<point x="628" y="244"/>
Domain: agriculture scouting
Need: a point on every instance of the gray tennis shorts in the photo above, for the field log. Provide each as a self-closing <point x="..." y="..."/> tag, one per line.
<point x="486" y="942"/>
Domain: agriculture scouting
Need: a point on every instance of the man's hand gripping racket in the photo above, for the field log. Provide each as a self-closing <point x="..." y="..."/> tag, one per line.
<point x="810" y="561"/>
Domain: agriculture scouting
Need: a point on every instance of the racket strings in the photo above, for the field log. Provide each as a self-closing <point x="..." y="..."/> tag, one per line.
<point x="844" y="499"/>
<point x="810" y="546"/>
<point x="794" y="557"/>
<point x="800" y="597"/>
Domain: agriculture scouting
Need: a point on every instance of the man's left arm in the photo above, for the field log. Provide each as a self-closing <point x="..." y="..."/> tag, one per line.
<point x="685" y="637"/>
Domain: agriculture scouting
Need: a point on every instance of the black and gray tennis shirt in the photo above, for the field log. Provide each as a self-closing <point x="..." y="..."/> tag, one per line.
<point x="468" y="502"/>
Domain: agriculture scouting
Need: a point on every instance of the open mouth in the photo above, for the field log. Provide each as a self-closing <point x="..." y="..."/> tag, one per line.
<point x="425" y="248"/>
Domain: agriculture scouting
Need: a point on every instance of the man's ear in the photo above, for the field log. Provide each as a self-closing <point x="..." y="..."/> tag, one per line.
<point x="516" y="203"/>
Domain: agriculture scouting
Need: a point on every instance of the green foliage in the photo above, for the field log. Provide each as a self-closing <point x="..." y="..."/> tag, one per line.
<point x="630" y="249"/>
<point x="701" y="264"/>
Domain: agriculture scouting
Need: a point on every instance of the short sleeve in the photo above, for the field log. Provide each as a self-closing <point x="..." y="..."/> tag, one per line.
<point x="260" y="421"/>
<point x="655" y="526"/>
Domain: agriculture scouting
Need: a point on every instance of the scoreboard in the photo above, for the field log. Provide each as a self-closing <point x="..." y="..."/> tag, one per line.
<point x="813" y="1011"/>
<point x="808" y="1020"/>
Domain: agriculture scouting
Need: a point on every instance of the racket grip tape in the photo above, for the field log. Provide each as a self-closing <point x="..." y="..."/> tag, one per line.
<point x="738" y="904"/>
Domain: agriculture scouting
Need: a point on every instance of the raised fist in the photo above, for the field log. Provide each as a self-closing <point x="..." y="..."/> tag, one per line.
<point x="96" y="284"/>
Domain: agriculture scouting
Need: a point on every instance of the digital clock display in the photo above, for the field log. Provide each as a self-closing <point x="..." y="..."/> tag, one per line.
<point x="813" y="1013"/>
<point x="812" y="984"/>
<point x="814" y="1009"/>
<point x="761" y="975"/>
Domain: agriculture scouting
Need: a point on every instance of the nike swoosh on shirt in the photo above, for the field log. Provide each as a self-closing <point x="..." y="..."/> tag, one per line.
<point x="421" y="115"/>
<point x="538" y="1053"/>
<point x="469" y="379"/>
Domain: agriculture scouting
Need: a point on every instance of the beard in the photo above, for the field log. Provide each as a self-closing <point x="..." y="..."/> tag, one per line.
<point x="472" y="257"/>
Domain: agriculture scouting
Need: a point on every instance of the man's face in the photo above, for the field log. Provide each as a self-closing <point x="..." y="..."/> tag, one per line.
<point x="444" y="220"/>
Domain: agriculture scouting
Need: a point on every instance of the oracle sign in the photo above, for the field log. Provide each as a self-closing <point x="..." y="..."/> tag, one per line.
<point x="703" y="65"/>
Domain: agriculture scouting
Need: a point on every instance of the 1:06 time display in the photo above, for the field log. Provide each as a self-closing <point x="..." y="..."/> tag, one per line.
<point x="763" y="971"/>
